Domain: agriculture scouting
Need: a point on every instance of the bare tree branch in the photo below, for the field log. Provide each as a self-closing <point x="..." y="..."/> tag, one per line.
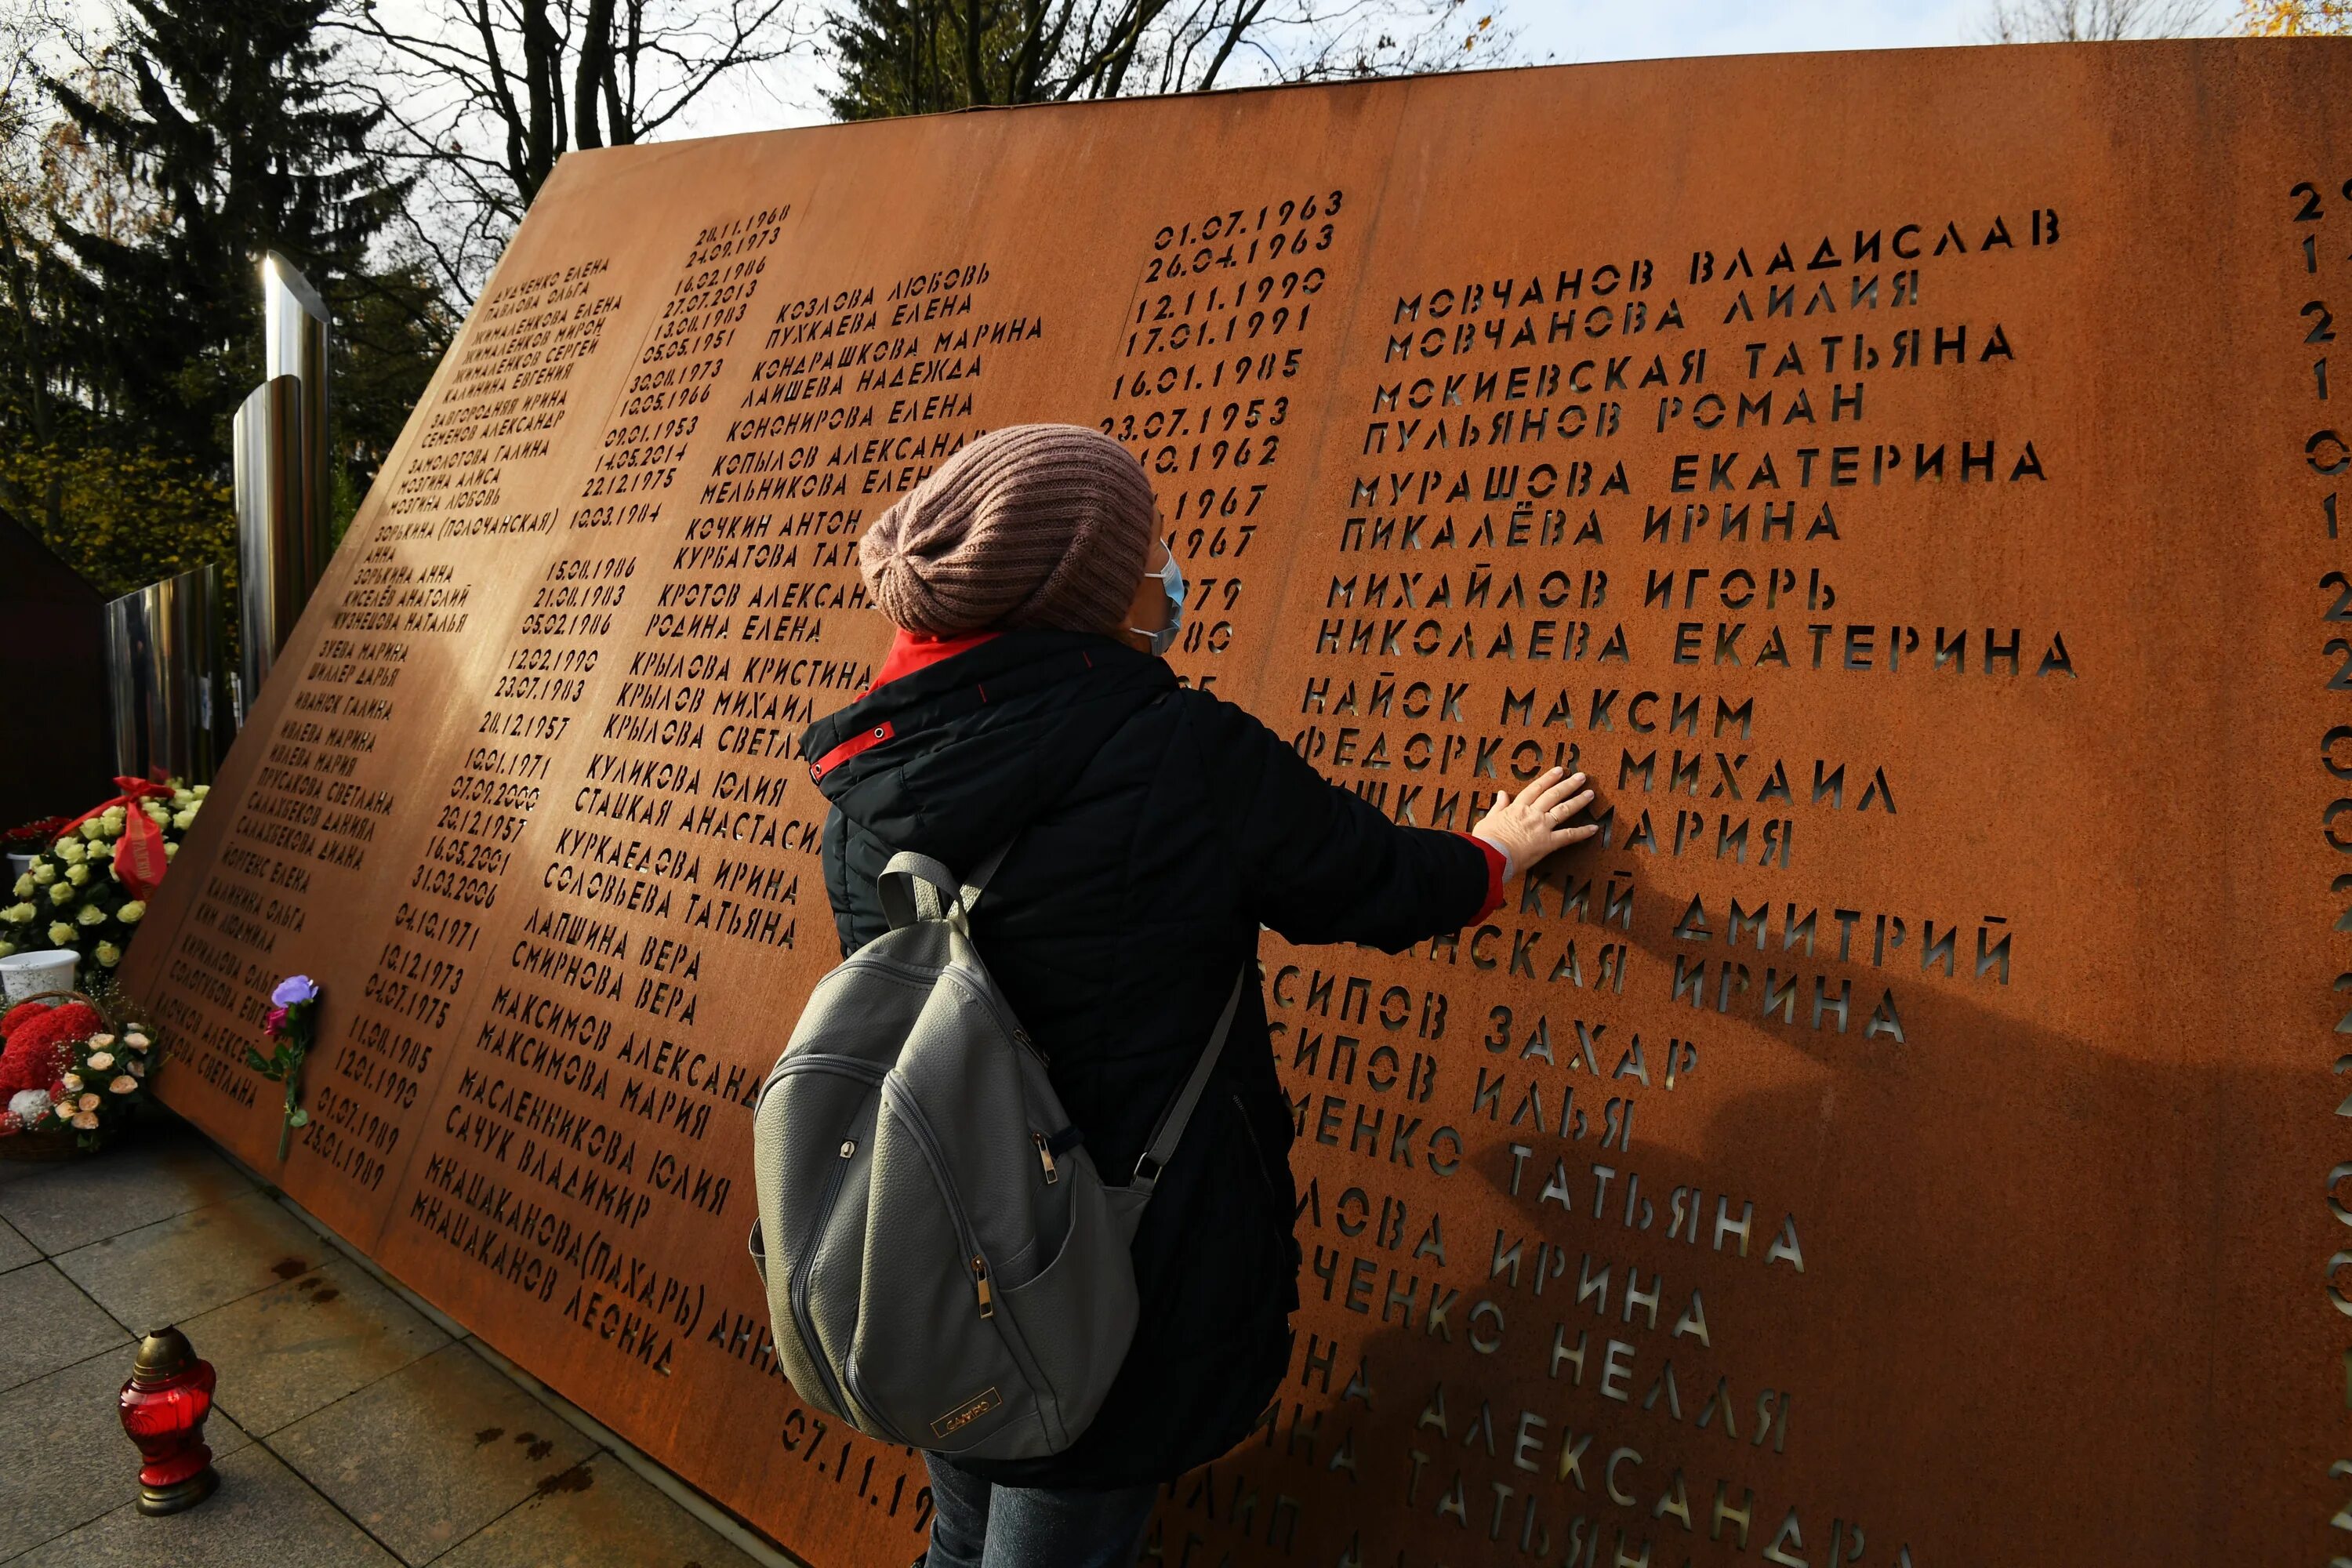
<point x="2096" y="21"/>
<point x="483" y="97"/>
<point x="891" y="60"/>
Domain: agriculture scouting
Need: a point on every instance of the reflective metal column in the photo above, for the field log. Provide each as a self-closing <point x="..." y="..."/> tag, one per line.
<point x="164" y="679"/>
<point x="276" y="565"/>
<point x="284" y="490"/>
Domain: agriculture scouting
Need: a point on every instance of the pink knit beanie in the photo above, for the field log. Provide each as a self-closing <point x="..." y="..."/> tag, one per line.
<point x="1033" y="525"/>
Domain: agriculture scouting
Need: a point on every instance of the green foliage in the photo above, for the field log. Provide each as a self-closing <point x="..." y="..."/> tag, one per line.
<point x="131" y="518"/>
<point x="131" y="230"/>
<point x="234" y="128"/>
<point x="390" y="330"/>
<point x="919" y="57"/>
<point x="912" y="56"/>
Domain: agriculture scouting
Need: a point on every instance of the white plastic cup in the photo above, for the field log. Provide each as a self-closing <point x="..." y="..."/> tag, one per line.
<point x="30" y="974"/>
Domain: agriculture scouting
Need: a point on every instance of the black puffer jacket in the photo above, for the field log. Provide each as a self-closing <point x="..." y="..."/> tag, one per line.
<point x="1159" y="828"/>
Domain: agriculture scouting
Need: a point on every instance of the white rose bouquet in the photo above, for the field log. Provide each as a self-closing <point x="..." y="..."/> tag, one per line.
<point x="88" y="890"/>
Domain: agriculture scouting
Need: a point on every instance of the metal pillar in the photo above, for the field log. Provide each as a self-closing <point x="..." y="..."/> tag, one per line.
<point x="284" y="492"/>
<point x="277" y="566"/>
<point x="164" y="679"/>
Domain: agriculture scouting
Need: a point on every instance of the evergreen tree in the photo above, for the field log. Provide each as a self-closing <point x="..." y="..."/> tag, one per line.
<point x="919" y="57"/>
<point x="897" y="57"/>
<point x="234" y="128"/>
<point x="390" y="330"/>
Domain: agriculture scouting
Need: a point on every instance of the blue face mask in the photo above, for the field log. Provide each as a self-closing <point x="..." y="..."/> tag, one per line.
<point x="1171" y="582"/>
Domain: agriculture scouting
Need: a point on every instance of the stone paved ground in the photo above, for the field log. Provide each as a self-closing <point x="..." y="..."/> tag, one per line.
<point x="353" y="1425"/>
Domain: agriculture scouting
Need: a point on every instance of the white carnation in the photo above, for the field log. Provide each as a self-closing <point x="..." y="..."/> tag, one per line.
<point x="28" y="1105"/>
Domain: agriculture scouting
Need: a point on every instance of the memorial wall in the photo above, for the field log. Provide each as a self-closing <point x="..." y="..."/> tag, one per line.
<point x="1907" y="483"/>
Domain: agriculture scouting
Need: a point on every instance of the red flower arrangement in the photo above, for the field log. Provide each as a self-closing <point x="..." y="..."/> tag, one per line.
<point x="65" y="1067"/>
<point x="34" y="836"/>
<point x="39" y="1045"/>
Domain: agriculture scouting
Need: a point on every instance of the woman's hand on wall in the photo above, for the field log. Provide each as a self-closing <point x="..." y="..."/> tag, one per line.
<point x="1540" y="820"/>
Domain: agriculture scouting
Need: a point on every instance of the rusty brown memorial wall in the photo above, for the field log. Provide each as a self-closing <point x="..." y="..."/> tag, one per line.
<point x="1908" y="483"/>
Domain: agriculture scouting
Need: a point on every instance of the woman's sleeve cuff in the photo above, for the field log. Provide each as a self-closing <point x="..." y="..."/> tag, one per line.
<point x="1495" y="865"/>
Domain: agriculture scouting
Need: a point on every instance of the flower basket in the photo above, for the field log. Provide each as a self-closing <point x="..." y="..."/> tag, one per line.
<point x="71" y="1074"/>
<point x="56" y="1143"/>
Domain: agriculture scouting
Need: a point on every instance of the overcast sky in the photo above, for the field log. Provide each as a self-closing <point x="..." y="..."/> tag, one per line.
<point x="1564" y="31"/>
<point x="1572" y="31"/>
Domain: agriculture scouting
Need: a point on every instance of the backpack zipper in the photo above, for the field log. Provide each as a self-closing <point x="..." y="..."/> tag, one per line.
<point x="912" y="1114"/>
<point x="987" y="998"/>
<point x="895" y="1093"/>
<point x="1045" y="1158"/>
<point x="842" y="1066"/>
<point x="802" y="1318"/>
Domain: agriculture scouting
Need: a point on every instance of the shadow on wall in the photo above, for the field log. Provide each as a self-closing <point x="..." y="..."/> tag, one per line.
<point x="1819" y="1292"/>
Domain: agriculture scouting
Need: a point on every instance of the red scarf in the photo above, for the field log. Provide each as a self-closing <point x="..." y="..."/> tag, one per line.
<point x="910" y="651"/>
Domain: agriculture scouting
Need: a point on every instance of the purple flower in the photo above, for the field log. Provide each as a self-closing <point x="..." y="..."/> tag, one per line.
<point x="294" y="990"/>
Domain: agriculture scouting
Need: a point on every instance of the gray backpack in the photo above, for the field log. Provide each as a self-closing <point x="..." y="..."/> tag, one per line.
<point x="949" y="1271"/>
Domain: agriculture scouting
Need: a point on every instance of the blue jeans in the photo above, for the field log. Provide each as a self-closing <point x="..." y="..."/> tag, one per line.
<point x="976" y="1525"/>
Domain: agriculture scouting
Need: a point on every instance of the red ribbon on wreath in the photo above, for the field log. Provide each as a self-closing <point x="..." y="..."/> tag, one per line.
<point x="139" y="858"/>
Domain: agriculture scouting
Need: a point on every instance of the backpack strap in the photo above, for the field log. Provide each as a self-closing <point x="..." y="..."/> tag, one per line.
<point x="1172" y="1120"/>
<point x="909" y="877"/>
<point x="978" y="882"/>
